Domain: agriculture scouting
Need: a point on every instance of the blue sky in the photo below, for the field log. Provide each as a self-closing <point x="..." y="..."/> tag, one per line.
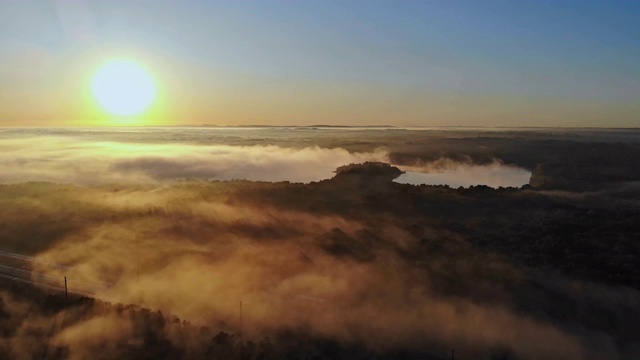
<point x="430" y="62"/>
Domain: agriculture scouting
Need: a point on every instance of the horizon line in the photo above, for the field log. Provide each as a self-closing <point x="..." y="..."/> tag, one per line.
<point x="399" y="127"/>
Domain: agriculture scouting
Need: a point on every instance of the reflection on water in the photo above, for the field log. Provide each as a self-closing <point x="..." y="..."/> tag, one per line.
<point x="494" y="175"/>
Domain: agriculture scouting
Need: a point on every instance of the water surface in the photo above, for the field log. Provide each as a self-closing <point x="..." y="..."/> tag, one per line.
<point x="494" y="175"/>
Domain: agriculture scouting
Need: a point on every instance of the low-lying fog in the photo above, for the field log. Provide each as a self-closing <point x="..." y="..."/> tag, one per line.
<point x="94" y="157"/>
<point x="337" y="260"/>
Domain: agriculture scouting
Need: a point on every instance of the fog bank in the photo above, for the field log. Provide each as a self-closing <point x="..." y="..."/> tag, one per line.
<point x="71" y="160"/>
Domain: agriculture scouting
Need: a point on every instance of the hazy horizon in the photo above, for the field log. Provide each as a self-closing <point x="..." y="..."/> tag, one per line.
<point x="463" y="63"/>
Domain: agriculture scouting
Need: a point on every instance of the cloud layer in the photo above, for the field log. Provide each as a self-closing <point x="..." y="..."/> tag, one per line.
<point x="72" y="160"/>
<point x="65" y="159"/>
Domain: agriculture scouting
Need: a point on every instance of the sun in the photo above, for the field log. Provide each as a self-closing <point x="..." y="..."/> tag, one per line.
<point x="123" y="87"/>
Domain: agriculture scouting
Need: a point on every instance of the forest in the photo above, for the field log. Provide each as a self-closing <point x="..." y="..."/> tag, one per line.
<point x="353" y="266"/>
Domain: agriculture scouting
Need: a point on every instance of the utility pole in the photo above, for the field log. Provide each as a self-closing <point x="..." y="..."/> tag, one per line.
<point x="66" y="296"/>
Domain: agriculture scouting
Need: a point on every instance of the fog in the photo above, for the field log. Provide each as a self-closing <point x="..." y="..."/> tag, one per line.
<point x="72" y="160"/>
<point x="82" y="160"/>
<point x="195" y="251"/>
<point x="134" y="222"/>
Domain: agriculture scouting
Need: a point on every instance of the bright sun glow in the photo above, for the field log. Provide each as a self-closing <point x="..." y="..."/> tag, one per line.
<point x="123" y="88"/>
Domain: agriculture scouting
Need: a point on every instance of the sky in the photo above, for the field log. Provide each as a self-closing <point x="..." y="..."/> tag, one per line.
<point x="401" y="63"/>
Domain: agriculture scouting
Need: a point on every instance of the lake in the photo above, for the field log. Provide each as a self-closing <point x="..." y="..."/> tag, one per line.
<point x="494" y="175"/>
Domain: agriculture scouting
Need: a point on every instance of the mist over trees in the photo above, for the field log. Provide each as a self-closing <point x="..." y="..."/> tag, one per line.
<point x="356" y="266"/>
